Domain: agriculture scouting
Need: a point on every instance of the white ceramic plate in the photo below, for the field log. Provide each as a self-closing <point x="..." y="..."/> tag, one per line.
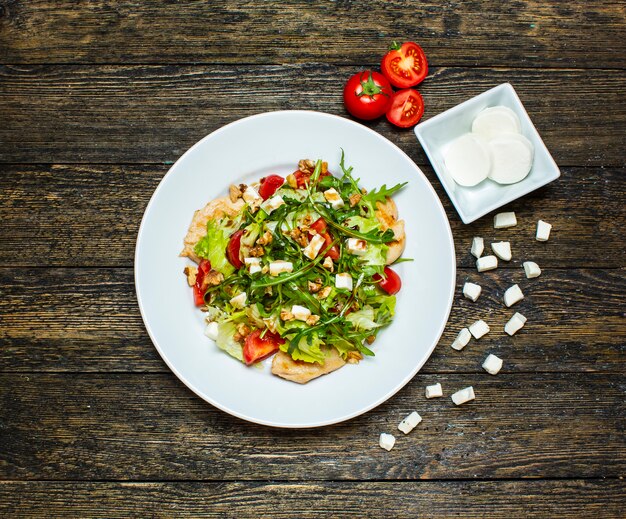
<point x="244" y="151"/>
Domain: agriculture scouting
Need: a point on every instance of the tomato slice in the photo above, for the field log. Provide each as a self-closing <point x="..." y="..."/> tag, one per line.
<point x="232" y="251"/>
<point x="320" y="227"/>
<point x="405" y="66"/>
<point x="390" y="283"/>
<point x="269" y="185"/>
<point x="199" y="287"/>
<point x="406" y="109"/>
<point x="256" y="347"/>
<point x="302" y="178"/>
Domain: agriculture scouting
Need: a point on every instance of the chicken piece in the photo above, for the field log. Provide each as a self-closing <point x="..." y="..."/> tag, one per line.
<point x="301" y="372"/>
<point x="197" y="229"/>
<point x="387" y="215"/>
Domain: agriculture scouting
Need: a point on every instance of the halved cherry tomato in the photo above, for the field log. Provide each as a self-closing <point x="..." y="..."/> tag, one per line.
<point x="367" y="95"/>
<point x="405" y="66"/>
<point x="232" y="251"/>
<point x="256" y="347"/>
<point x="199" y="287"/>
<point x="406" y="109"/>
<point x="269" y="185"/>
<point x="390" y="282"/>
<point x="320" y="227"/>
<point x="303" y="178"/>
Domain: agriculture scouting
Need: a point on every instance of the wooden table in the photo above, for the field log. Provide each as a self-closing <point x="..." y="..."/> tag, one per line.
<point x="98" y="98"/>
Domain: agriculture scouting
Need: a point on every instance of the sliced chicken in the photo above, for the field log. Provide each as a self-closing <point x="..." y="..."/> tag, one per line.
<point x="387" y="215"/>
<point x="301" y="372"/>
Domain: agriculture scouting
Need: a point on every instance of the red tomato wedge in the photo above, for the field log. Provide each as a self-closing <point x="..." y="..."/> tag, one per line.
<point x="232" y="251"/>
<point x="199" y="287"/>
<point x="320" y="227"/>
<point x="405" y="65"/>
<point x="406" y="109"/>
<point x="256" y="347"/>
<point x="269" y="185"/>
<point x="390" y="283"/>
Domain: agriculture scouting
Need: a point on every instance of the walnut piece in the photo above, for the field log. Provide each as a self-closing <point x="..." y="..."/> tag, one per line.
<point x="353" y="357"/>
<point x="323" y="293"/>
<point x="312" y="320"/>
<point x="355" y="199"/>
<point x="257" y="252"/>
<point x="306" y="166"/>
<point x="291" y="181"/>
<point x="328" y="263"/>
<point x="314" y="287"/>
<point x="214" y="277"/>
<point x="234" y="193"/>
<point x="265" y="238"/>
<point x="191" y="273"/>
<point x="286" y="315"/>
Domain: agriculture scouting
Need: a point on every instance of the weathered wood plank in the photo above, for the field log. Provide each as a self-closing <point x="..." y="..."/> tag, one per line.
<point x="151" y="427"/>
<point x="88" y="320"/>
<point x="442" y="499"/>
<point x="75" y="215"/>
<point x="139" y="114"/>
<point x="533" y="33"/>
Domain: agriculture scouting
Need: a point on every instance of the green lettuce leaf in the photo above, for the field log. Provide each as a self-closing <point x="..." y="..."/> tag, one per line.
<point x="226" y="340"/>
<point x="363" y="319"/>
<point x="307" y="349"/>
<point x="213" y="247"/>
<point x="364" y="224"/>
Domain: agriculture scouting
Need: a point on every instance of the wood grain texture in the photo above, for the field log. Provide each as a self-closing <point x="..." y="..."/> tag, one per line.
<point x="468" y="499"/>
<point x="151" y="427"/>
<point x="88" y="320"/>
<point x="530" y="33"/>
<point x="78" y="215"/>
<point x="143" y="114"/>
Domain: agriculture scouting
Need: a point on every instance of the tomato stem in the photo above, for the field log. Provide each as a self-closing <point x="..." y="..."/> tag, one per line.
<point x="395" y="46"/>
<point x="370" y="88"/>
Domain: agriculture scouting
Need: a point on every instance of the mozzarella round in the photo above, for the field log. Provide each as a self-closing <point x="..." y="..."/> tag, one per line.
<point x="467" y="160"/>
<point x="495" y="121"/>
<point x="511" y="158"/>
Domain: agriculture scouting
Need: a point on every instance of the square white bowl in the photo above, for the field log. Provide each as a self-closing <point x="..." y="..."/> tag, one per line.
<point x="438" y="132"/>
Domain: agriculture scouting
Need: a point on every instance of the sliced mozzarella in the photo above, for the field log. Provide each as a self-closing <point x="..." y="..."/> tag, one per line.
<point x="251" y="195"/>
<point x="515" y="324"/>
<point x="472" y="291"/>
<point x="467" y="159"/>
<point x="356" y="246"/>
<point x="513" y="295"/>
<point x="313" y="248"/>
<point x="479" y="328"/>
<point x="532" y="269"/>
<point x="387" y="441"/>
<point x="333" y="198"/>
<point x="253" y="264"/>
<point x="486" y="263"/>
<point x="503" y="220"/>
<point x="502" y="249"/>
<point x="278" y="266"/>
<point x="434" y="391"/>
<point x="410" y="422"/>
<point x="211" y="330"/>
<point x="343" y="280"/>
<point x="511" y="158"/>
<point x="463" y="396"/>
<point x="496" y="120"/>
<point x="543" y="230"/>
<point x="272" y="203"/>
<point x="478" y="246"/>
<point x="302" y="313"/>
<point x="492" y="364"/>
<point x="462" y="339"/>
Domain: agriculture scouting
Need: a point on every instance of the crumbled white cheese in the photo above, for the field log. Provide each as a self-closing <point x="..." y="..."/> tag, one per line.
<point x="239" y="301"/>
<point x="333" y="198"/>
<point x="486" y="263"/>
<point x="434" y="391"/>
<point x="479" y="328"/>
<point x="471" y="291"/>
<point x="211" y="330"/>
<point x="503" y="220"/>
<point x="343" y="280"/>
<point x="313" y="248"/>
<point x="410" y="422"/>
<point x="302" y="313"/>
<point x="253" y="264"/>
<point x="515" y="323"/>
<point x="532" y="269"/>
<point x="492" y="364"/>
<point x="513" y="295"/>
<point x="272" y="203"/>
<point x="502" y="249"/>
<point x="251" y="196"/>
<point x="464" y="395"/>
<point x="278" y="266"/>
<point x="543" y="230"/>
<point x="387" y="441"/>
<point x="328" y="263"/>
<point x="478" y="246"/>
<point x="356" y="246"/>
<point x="462" y="339"/>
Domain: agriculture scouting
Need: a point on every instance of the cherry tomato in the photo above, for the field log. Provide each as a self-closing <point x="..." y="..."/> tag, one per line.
<point x="232" y="251"/>
<point x="406" y="109"/>
<point x="302" y="178"/>
<point x="405" y="65"/>
<point x="256" y="347"/>
<point x="199" y="287"/>
<point x="320" y="227"/>
<point x="269" y="185"/>
<point x="390" y="283"/>
<point x="367" y="95"/>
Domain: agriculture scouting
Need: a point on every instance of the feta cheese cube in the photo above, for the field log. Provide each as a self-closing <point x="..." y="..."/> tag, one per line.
<point x="410" y="422"/>
<point x="239" y="301"/>
<point x="462" y="339"/>
<point x="486" y="263"/>
<point x="253" y="264"/>
<point x="272" y="203"/>
<point x="251" y="196"/>
<point x="464" y="395"/>
<point x="479" y="328"/>
<point x="302" y="313"/>
<point x="515" y="323"/>
<point x="279" y="266"/>
<point x="333" y="198"/>
<point x="503" y="220"/>
<point x="313" y="248"/>
<point x="478" y="246"/>
<point x="492" y="364"/>
<point x="502" y="249"/>
<point x="343" y="280"/>
<point x="434" y="391"/>
<point x="472" y="291"/>
<point x="387" y="441"/>
<point x="532" y="269"/>
<point x="513" y="295"/>
<point x="543" y="230"/>
<point x="356" y="246"/>
<point x="211" y="330"/>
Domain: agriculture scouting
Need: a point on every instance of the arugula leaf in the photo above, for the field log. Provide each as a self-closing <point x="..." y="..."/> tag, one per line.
<point x="380" y="195"/>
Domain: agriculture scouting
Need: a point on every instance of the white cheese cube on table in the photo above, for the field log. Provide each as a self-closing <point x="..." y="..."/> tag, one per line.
<point x="313" y="248"/>
<point x="462" y="339"/>
<point x="486" y="263"/>
<point x="464" y="395"/>
<point x="387" y="441"/>
<point x="251" y="196"/>
<point x="356" y="246"/>
<point x="410" y="422"/>
<point x="513" y="295"/>
<point x="532" y="269"/>
<point x="253" y="264"/>
<point x="279" y="266"/>
<point x="543" y="230"/>
<point x="515" y="324"/>
<point x="272" y="203"/>
<point x="471" y="291"/>
<point x="333" y="198"/>
<point x="479" y="328"/>
<point x="492" y="364"/>
<point x="502" y="249"/>
<point x="434" y="391"/>
<point x="211" y="330"/>
<point x="504" y="220"/>
<point x="478" y="246"/>
<point x="239" y="301"/>
<point x="302" y="313"/>
<point x="343" y="280"/>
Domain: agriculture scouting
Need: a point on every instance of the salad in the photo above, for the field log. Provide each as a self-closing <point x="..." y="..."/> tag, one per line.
<point x="298" y="268"/>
